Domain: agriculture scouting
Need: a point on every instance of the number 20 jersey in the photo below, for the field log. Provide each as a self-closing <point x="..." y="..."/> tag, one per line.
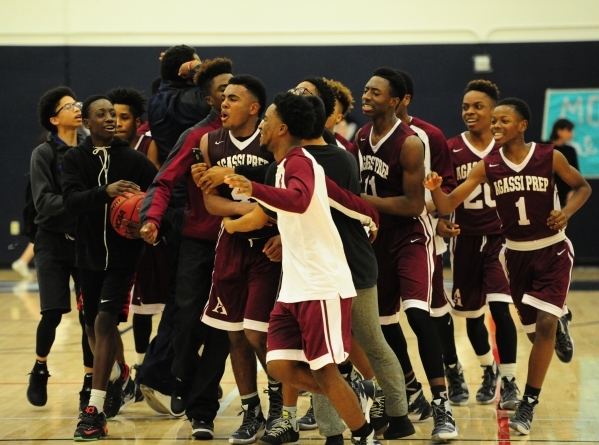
<point x="477" y="215"/>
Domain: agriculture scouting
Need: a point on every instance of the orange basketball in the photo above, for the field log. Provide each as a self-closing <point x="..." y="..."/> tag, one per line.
<point x="125" y="207"/>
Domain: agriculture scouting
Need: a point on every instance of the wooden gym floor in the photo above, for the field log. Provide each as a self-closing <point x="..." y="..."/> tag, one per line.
<point x="568" y="412"/>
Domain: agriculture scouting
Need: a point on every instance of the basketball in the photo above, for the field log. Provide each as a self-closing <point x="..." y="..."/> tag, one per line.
<point x="125" y="208"/>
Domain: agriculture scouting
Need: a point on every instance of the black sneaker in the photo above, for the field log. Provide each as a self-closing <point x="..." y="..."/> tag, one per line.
<point x="457" y="389"/>
<point x="378" y="417"/>
<point x="487" y="393"/>
<point x="114" y="393"/>
<point x="91" y="426"/>
<point x="308" y="421"/>
<point x="252" y="426"/>
<point x="522" y="418"/>
<point x="128" y="396"/>
<point x="365" y="390"/>
<point x="353" y="376"/>
<point x="509" y="394"/>
<point x="399" y="427"/>
<point x="368" y="440"/>
<point x="180" y="398"/>
<point x="444" y="427"/>
<point x="281" y="433"/>
<point x="85" y="393"/>
<point x="37" y="393"/>
<point x="275" y="404"/>
<point x="202" y="430"/>
<point x="334" y="440"/>
<point x="418" y="407"/>
<point x="564" y="343"/>
<point x="139" y="396"/>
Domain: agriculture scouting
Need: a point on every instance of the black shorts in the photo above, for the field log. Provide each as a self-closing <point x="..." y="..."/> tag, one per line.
<point x="55" y="265"/>
<point x="106" y="291"/>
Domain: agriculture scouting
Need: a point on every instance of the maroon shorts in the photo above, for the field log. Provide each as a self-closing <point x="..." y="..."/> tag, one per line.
<point x="478" y="276"/>
<point x="317" y="332"/>
<point x="245" y="285"/>
<point x="152" y="280"/>
<point x="439" y="301"/>
<point x="405" y="255"/>
<point x="539" y="280"/>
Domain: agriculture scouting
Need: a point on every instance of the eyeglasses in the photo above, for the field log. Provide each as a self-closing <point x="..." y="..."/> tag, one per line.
<point x="299" y="91"/>
<point x="69" y="107"/>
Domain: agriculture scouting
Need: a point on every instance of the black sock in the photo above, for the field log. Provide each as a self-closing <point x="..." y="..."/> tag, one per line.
<point x="40" y="366"/>
<point x="412" y="386"/>
<point x="531" y="392"/>
<point x="439" y="392"/>
<point x="363" y="431"/>
<point x="345" y="368"/>
<point x="251" y="402"/>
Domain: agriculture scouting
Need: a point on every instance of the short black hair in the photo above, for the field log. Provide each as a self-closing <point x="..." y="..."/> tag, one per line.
<point x="254" y="86"/>
<point x="131" y="97"/>
<point x="172" y="60"/>
<point x="325" y="92"/>
<point x="155" y="85"/>
<point x="87" y="103"/>
<point x="408" y="81"/>
<point x="519" y="105"/>
<point x="560" y="124"/>
<point x="397" y="86"/>
<point x="342" y="94"/>
<point x="295" y="112"/>
<point x="46" y="107"/>
<point x="204" y="78"/>
<point x="320" y="117"/>
<point x="484" y="86"/>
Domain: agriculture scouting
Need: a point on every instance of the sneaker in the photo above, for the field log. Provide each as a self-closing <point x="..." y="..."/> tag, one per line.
<point x="180" y="398"/>
<point x="418" y="407"/>
<point x="522" y="418"/>
<point x="156" y="400"/>
<point x="37" y="393"/>
<point x="114" y="393"/>
<point x="378" y="417"/>
<point x="139" y="396"/>
<point x="368" y="440"/>
<point x="281" y="433"/>
<point x="456" y="385"/>
<point x="21" y="268"/>
<point x="85" y="393"/>
<point x="334" y="440"/>
<point x="308" y="421"/>
<point x="509" y="394"/>
<point x="399" y="427"/>
<point x="128" y="396"/>
<point x="275" y="405"/>
<point x="353" y="376"/>
<point x="444" y="427"/>
<point x="202" y="430"/>
<point x="564" y="343"/>
<point x="487" y="393"/>
<point x="91" y="426"/>
<point x="365" y="390"/>
<point x="251" y="427"/>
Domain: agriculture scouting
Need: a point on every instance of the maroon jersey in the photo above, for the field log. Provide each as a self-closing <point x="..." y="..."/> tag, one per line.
<point x="477" y="215"/>
<point x="380" y="168"/>
<point x="143" y="144"/>
<point x="524" y="193"/>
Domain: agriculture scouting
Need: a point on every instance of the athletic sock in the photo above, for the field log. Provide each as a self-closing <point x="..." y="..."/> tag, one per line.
<point x="363" y="431"/>
<point x="508" y="370"/>
<point x="40" y="366"/>
<point x="531" y="392"/>
<point x="487" y="359"/>
<point x="290" y="413"/>
<point x="345" y="368"/>
<point x="412" y="385"/>
<point x="116" y="372"/>
<point x="97" y="398"/>
<point x="439" y="392"/>
<point x="251" y="400"/>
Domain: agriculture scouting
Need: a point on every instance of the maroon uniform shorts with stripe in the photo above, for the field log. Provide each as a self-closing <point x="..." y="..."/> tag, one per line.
<point x="539" y="280"/>
<point x="245" y="284"/>
<point x="317" y="332"/>
<point x="405" y="255"/>
<point x="478" y="276"/>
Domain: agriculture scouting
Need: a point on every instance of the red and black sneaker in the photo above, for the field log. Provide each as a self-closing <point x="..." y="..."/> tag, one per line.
<point x="91" y="426"/>
<point x="114" y="392"/>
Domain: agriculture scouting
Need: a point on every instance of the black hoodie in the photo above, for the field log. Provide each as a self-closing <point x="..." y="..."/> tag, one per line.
<point x="84" y="180"/>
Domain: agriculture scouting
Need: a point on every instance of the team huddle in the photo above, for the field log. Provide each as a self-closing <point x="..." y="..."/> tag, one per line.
<point x="270" y="237"/>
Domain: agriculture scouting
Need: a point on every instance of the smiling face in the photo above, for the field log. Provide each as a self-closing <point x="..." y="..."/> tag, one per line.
<point x="101" y="122"/>
<point x="66" y="118"/>
<point x="237" y="107"/>
<point x="377" y="99"/>
<point x="126" y="124"/>
<point x="507" y="125"/>
<point x="269" y="128"/>
<point x="477" y="109"/>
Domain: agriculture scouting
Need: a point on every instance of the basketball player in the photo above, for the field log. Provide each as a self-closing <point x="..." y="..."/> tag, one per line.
<point x="311" y="320"/>
<point x="101" y="168"/>
<point x="478" y="278"/>
<point x="197" y="377"/>
<point x="392" y="164"/>
<point x="538" y="257"/>
<point x="60" y="114"/>
<point x="245" y="279"/>
<point x="344" y="102"/>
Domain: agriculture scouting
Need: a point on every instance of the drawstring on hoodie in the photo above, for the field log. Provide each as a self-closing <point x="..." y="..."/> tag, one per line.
<point x="105" y="160"/>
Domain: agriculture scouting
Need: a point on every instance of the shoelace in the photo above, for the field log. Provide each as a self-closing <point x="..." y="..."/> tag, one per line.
<point x="562" y="339"/>
<point x="488" y="378"/>
<point x="249" y="419"/>
<point x="510" y="389"/>
<point x="453" y="377"/>
<point x="378" y="407"/>
<point x="275" y="403"/>
<point x="280" y="428"/>
<point x="440" y="415"/>
<point x="525" y="411"/>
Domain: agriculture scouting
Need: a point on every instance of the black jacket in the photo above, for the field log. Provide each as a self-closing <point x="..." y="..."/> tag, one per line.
<point x="84" y="178"/>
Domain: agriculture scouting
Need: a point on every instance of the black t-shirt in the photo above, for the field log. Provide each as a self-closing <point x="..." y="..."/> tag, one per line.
<point x="570" y="154"/>
<point x="341" y="167"/>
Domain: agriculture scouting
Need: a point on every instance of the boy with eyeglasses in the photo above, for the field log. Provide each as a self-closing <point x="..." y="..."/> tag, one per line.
<point x="60" y="114"/>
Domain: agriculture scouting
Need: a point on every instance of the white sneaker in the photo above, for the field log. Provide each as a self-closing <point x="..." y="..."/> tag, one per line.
<point x="156" y="400"/>
<point x="21" y="268"/>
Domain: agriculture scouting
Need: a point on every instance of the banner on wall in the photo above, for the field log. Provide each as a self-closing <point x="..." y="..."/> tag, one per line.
<point x="581" y="106"/>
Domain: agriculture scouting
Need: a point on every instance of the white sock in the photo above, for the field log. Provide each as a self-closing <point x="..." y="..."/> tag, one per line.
<point x="487" y="359"/>
<point x="508" y="370"/>
<point x="290" y="413"/>
<point x="140" y="358"/>
<point x="97" y="399"/>
<point x="116" y="372"/>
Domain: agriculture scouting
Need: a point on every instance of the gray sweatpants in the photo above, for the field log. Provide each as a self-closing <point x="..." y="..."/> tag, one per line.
<point x="366" y="327"/>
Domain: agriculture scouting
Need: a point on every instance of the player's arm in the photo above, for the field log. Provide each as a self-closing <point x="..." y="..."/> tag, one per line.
<point x="254" y="220"/>
<point x="46" y="201"/>
<point x="352" y="206"/>
<point x="447" y="203"/>
<point x="411" y="203"/>
<point x="558" y="219"/>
